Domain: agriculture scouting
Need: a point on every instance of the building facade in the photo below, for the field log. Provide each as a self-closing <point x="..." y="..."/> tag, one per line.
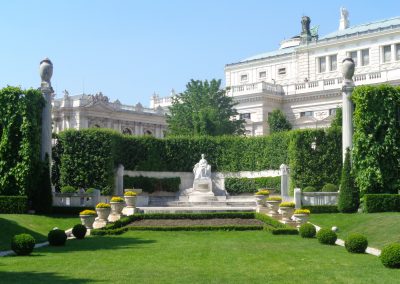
<point x="86" y="111"/>
<point x="303" y="77"/>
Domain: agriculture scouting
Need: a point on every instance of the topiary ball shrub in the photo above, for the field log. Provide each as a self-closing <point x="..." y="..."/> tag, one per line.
<point x="329" y="187"/>
<point x="390" y="255"/>
<point x="23" y="244"/>
<point x="326" y="237"/>
<point x="307" y="230"/>
<point x="310" y="189"/>
<point x="356" y="243"/>
<point x="79" y="231"/>
<point x="57" y="237"/>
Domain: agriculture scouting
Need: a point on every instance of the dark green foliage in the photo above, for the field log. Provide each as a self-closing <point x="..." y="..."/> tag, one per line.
<point x="56" y="167"/>
<point x="13" y="204"/>
<point x="150" y="185"/>
<point x="349" y="196"/>
<point x="68" y="189"/>
<point x="64" y="210"/>
<point x="79" y="231"/>
<point x="23" y="244"/>
<point x="356" y="243"/>
<point x="390" y="255"/>
<point x="285" y="231"/>
<point x="277" y="122"/>
<point x="20" y="118"/>
<point x="270" y="221"/>
<point x="315" y="209"/>
<point x="310" y="189"/>
<point x="326" y="237"/>
<point x="376" y="139"/>
<point x="43" y="198"/>
<point x="338" y="120"/>
<point x="250" y="185"/>
<point x="381" y="203"/>
<point x="57" y="237"/>
<point x="307" y="230"/>
<point x="329" y="187"/>
<point x="203" y="109"/>
<point x="315" y="167"/>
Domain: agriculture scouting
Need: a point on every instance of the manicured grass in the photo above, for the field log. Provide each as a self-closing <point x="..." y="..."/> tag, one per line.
<point x="195" y="257"/>
<point x="36" y="225"/>
<point x="379" y="228"/>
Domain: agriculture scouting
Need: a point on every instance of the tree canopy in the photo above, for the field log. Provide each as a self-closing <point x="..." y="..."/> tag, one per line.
<point x="277" y="122"/>
<point x="204" y="109"/>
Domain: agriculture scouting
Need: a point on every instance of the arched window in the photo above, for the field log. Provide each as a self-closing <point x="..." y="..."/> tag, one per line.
<point x="127" y="131"/>
<point x="148" y="132"/>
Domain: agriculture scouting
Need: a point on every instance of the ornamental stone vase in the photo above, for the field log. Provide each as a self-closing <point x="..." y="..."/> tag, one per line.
<point x="46" y="70"/>
<point x="273" y="206"/>
<point x="260" y="199"/>
<point x="87" y="220"/>
<point x="286" y="213"/>
<point x="103" y="213"/>
<point x="301" y="218"/>
<point x="348" y="68"/>
<point x="116" y="207"/>
<point x="130" y="201"/>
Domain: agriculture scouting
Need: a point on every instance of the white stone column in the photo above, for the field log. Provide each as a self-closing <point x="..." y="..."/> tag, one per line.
<point x="284" y="182"/>
<point x="347" y="105"/>
<point x="119" y="180"/>
<point x="297" y="198"/>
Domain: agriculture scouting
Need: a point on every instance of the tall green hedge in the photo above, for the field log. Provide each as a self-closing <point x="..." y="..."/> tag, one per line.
<point x="251" y="185"/>
<point x="376" y="150"/>
<point x="87" y="158"/>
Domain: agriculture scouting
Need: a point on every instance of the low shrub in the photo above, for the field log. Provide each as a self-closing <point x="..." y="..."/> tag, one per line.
<point x="274" y="198"/>
<point x="315" y="209"/>
<point x="79" y="231"/>
<point x="23" y="244"/>
<point x="302" y="211"/>
<point x="330" y="187"/>
<point x="263" y="192"/>
<point x="90" y="190"/>
<point x="130" y="193"/>
<point x="326" y="237"/>
<point x="307" y="230"/>
<point x="88" y="212"/>
<point x="13" y="204"/>
<point x="309" y="189"/>
<point x="287" y="204"/>
<point x="285" y="231"/>
<point x="390" y="255"/>
<point x="356" y="243"/>
<point x="249" y="185"/>
<point x="103" y="205"/>
<point x="381" y="203"/>
<point x="150" y="185"/>
<point x="68" y="189"/>
<point x="57" y="237"/>
<point x="117" y="199"/>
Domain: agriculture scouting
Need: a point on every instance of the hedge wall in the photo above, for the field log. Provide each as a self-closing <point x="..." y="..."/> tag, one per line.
<point x="150" y="185"/>
<point x="13" y="204"/>
<point x="251" y="185"/>
<point x="381" y="203"/>
<point x="87" y="158"/>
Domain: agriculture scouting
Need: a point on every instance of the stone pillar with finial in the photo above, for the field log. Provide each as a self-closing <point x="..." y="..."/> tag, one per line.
<point x="46" y="71"/>
<point x="347" y="105"/>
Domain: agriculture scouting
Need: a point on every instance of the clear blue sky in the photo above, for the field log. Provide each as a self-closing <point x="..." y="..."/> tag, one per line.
<point x="129" y="49"/>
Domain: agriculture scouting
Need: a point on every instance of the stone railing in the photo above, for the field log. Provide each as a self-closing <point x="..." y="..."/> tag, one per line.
<point x="76" y="199"/>
<point x="258" y="87"/>
<point x="315" y="198"/>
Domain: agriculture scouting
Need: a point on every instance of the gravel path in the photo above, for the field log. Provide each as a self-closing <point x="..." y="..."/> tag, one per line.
<point x="196" y="222"/>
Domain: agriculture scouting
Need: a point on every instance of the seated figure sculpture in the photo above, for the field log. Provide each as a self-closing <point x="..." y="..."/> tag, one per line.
<point x="202" y="169"/>
<point x="202" y="184"/>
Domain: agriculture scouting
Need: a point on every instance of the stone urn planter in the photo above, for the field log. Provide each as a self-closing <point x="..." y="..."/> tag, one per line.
<point x="301" y="215"/>
<point x="260" y="196"/>
<point x="87" y="218"/>
<point x="273" y="204"/>
<point x="130" y="199"/>
<point x="103" y="210"/>
<point x="117" y="204"/>
<point x="287" y="209"/>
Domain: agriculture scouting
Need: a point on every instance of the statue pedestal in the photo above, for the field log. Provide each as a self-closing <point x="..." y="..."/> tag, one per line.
<point x="202" y="191"/>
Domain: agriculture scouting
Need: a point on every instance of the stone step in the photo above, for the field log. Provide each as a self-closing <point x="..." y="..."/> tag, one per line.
<point x="194" y="209"/>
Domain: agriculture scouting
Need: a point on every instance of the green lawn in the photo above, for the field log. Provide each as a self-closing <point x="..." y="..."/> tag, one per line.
<point x="379" y="228"/>
<point x="195" y="257"/>
<point x="36" y="225"/>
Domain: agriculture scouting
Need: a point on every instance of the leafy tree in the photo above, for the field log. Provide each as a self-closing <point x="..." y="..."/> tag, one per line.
<point x="349" y="197"/>
<point x="277" y="122"/>
<point x="203" y="109"/>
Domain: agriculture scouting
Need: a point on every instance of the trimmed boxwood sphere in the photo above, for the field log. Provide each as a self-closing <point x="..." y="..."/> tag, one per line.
<point x="23" y="244"/>
<point x="307" y="230"/>
<point x="57" y="237"/>
<point x="390" y="255"/>
<point x="79" y="231"/>
<point x="326" y="237"/>
<point x="356" y="243"/>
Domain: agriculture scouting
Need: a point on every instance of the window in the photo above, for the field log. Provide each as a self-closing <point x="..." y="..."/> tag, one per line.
<point x="306" y="113"/>
<point x="262" y="74"/>
<point x="353" y="55"/>
<point x="364" y="57"/>
<point x="333" y="62"/>
<point x="332" y="111"/>
<point x="322" y="64"/>
<point x="387" y="53"/>
<point x="243" y="77"/>
<point x="245" y="115"/>
<point x="398" y="51"/>
<point x="282" y="71"/>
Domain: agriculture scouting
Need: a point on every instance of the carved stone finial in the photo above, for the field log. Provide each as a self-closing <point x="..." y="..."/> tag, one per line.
<point x="348" y="69"/>
<point x="46" y="71"/>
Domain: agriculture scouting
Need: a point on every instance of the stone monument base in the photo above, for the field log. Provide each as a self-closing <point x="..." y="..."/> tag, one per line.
<point x="128" y="211"/>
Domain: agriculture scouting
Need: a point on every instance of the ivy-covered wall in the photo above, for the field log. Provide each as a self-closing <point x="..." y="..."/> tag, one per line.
<point x="20" y="118"/>
<point x="376" y="140"/>
<point x="88" y="157"/>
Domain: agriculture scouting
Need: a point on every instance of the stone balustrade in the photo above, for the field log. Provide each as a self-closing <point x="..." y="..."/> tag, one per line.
<point x="315" y="198"/>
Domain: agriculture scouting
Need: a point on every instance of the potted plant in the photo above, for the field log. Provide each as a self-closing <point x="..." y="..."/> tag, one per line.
<point x="260" y="196"/>
<point x="287" y="209"/>
<point x="273" y="204"/>
<point x="301" y="215"/>
<point x="117" y="204"/>
<point x="87" y="218"/>
<point x="130" y="198"/>
<point x="103" y="210"/>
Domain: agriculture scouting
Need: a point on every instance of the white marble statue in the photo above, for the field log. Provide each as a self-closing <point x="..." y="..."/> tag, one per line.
<point x="202" y="169"/>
